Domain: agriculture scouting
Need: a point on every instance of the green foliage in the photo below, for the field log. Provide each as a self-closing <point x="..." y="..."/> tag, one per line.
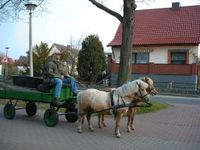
<point x="40" y="57"/>
<point x="91" y="59"/>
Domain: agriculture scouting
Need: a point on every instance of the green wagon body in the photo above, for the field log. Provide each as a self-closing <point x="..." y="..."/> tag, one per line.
<point x="32" y="96"/>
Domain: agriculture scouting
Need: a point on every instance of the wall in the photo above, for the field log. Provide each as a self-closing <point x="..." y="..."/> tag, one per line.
<point x="159" y="54"/>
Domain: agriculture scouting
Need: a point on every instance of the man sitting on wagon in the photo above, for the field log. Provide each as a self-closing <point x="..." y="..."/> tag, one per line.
<point x="57" y="74"/>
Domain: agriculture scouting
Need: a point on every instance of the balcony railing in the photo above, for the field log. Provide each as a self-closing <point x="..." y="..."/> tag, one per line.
<point x="165" y="69"/>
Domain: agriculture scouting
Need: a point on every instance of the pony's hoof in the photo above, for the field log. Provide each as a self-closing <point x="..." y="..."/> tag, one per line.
<point x="79" y="131"/>
<point x="128" y="130"/>
<point x="118" y="135"/>
<point x="104" y="125"/>
<point x="133" y="128"/>
<point x="91" y="129"/>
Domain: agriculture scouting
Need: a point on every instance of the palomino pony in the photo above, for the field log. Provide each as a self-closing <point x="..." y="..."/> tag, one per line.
<point x="92" y="100"/>
<point x="131" y="110"/>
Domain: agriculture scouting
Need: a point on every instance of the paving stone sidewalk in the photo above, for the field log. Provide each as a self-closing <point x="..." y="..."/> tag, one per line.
<point x="175" y="128"/>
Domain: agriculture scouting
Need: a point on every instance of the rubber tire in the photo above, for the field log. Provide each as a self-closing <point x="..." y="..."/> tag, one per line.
<point x="51" y="117"/>
<point x="71" y="117"/>
<point x="9" y="111"/>
<point x="31" y="109"/>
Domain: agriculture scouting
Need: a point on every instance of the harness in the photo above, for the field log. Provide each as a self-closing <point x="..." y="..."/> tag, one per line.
<point x="114" y="106"/>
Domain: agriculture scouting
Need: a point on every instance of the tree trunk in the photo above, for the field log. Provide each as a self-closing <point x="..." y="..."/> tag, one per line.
<point x="125" y="67"/>
<point x="198" y="78"/>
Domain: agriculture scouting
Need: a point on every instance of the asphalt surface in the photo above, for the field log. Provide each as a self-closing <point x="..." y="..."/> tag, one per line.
<point x="175" y="128"/>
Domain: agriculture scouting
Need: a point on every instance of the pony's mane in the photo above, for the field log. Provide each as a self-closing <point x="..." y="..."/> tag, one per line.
<point x="130" y="88"/>
<point x="147" y="80"/>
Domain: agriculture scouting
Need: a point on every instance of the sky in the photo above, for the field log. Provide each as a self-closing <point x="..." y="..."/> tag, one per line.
<point x="68" y="22"/>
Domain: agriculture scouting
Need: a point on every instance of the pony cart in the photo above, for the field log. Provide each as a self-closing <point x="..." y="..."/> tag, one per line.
<point x="24" y="88"/>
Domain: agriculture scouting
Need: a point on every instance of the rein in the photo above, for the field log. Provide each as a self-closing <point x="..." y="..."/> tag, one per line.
<point x="147" y="104"/>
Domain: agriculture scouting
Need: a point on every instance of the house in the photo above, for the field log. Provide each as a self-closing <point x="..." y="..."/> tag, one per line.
<point x="164" y="43"/>
<point x="22" y="61"/>
<point x="8" y="60"/>
<point x="22" y="64"/>
<point x="72" y="56"/>
<point x="4" y="61"/>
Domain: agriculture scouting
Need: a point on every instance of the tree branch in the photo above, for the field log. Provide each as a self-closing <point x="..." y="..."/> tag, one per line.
<point x="4" y="4"/>
<point x="106" y="9"/>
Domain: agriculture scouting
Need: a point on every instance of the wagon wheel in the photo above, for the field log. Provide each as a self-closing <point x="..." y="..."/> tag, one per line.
<point x="31" y="109"/>
<point x="9" y="111"/>
<point x="71" y="115"/>
<point x="51" y="117"/>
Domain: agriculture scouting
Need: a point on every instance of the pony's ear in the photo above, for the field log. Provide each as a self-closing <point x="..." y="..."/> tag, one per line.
<point x="146" y="79"/>
<point x="143" y="79"/>
<point x="139" y="85"/>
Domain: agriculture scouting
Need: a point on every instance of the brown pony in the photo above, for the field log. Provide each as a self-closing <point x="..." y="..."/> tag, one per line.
<point x="131" y="110"/>
<point x="92" y="100"/>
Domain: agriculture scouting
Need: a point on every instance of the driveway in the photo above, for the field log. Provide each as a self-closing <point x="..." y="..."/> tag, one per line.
<point x="175" y="128"/>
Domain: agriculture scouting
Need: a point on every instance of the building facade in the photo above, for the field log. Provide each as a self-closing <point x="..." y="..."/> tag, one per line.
<point x="164" y="45"/>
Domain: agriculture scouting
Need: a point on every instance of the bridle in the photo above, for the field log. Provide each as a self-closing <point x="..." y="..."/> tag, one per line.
<point x="140" y="91"/>
<point x="151" y="90"/>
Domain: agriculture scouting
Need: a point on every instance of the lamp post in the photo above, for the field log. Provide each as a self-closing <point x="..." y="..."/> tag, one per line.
<point x="7" y="52"/>
<point x="30" y="7"/>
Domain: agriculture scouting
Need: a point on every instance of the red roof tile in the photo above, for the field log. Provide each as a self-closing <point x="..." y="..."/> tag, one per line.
<point x="164" y="26"/>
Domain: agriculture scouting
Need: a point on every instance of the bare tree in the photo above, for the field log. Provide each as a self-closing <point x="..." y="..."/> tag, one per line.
<point x="126" y="20"/>
<point x="10" y="9"/>
<point x="74" y="50"/>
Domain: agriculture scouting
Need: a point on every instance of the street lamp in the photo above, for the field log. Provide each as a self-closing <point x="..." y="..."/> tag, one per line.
<point x="6" y="52"/>
<point x="30" y="7"/>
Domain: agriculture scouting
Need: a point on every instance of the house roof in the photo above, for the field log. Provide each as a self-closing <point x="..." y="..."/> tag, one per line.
<point x="6" y="59"/>
<point x="22" y="60"/>
<point x="164" y="26"/>
<point x="61" y="47"/>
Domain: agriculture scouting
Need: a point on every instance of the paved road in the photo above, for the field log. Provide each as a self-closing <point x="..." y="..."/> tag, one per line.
<point x="177" y="99"/>
<point x="175" y="128"/>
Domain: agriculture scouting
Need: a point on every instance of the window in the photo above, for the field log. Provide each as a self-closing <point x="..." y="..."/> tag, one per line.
<point x="140" y="58"/>
<point x="178" y="57"/>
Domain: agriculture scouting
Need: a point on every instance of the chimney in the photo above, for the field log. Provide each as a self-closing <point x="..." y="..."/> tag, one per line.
<point x="176" y="5"/>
